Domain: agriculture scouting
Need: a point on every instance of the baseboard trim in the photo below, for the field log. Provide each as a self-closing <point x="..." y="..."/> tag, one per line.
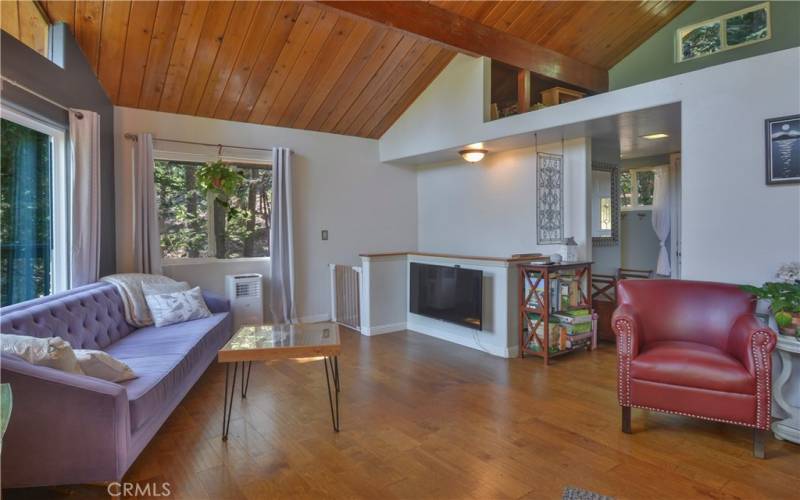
<point x="381" y="329"/>
<point x="316" y="318"/>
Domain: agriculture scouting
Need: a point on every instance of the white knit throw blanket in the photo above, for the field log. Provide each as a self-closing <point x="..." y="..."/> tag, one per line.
<point x="129" y="286"/>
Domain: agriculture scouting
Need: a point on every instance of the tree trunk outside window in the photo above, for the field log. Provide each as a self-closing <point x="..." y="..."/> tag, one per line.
<point x="220" y="218"/>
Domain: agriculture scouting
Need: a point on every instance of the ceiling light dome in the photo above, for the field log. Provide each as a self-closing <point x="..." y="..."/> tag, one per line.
<point x="473" y="155"/>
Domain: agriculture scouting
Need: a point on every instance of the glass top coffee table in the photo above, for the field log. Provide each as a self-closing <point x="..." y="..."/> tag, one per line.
<point x="268" y="342"/>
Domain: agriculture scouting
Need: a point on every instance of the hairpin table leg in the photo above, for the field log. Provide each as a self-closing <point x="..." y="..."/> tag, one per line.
<point x="246" y="380"/>
<point x="333" y="394"/>
<point x="227" y="405"/>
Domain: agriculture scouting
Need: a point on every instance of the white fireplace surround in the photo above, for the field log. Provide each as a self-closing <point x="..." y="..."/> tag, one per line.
<point x="385" y="298"/>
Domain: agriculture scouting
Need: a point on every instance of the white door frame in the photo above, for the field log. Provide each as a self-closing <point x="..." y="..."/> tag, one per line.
<point x="675" y="214"/>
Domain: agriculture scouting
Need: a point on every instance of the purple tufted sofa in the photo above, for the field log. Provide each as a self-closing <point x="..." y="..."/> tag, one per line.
<point x="69" y="429"/>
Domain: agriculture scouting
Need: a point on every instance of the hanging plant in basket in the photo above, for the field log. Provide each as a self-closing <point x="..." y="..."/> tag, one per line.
<point x="784" y="298"/>
<point x="221" y="181"/>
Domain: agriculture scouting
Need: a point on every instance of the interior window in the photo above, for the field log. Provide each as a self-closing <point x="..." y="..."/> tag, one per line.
<point x="193" y="224"/>
<point x="32" y="231"/>
<point x="725" y="32"/>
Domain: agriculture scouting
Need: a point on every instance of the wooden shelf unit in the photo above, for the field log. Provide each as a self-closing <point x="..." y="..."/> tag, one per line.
<point x="533" y="275"/>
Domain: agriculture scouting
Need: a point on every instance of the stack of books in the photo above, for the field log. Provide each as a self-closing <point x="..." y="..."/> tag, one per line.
<point x="563" y="294"/>
<point x="534" y="345"/>
<point x="573" y="328"/>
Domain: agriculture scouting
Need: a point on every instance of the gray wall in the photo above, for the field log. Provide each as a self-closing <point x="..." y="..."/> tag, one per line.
<point x="655" y="58"/>
<point x="73" y="85"/>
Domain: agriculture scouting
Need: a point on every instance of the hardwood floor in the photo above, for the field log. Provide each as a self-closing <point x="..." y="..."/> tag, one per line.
<point x="423" y="418"/>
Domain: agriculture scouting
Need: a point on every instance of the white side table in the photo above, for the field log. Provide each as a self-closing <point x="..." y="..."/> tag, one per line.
<point x="788" y="428"/>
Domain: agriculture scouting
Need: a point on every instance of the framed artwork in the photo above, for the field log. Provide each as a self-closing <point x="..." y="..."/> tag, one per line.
<point x="783" y="150"/>
<point x="549" y="199"/>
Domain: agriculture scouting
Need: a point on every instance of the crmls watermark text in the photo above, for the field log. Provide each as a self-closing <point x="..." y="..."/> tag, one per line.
<point x="139" y="490"/>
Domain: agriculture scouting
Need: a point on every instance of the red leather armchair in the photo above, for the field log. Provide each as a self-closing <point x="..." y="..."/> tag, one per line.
<point x="693" y="348"/>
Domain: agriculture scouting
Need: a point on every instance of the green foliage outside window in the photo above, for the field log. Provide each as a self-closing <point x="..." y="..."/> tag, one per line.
<point x="25" y="214"/>
<point x="625" y="189"/>
<point x="236" y="200"/>
<point x="746" y="27"/>
<point x="645" y="183"/>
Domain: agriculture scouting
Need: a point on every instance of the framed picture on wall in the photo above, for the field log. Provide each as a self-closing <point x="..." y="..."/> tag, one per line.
<point x="783" y="150"/>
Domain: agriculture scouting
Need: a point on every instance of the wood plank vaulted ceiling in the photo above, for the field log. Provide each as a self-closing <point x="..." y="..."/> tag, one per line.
<point x="307" y="66"/>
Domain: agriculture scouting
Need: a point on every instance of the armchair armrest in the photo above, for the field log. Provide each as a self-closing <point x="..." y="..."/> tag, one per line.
<point x="216" y="303"/>
<point x="752" y="345"/>
<point x="64" y="428"/>
<point x="627" y="327"/>
<point x="749" y="340"/>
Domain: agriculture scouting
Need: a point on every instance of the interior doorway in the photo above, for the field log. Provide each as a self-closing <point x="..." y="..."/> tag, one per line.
<point x="635" y="210"/>
<point x="650" y="215"/>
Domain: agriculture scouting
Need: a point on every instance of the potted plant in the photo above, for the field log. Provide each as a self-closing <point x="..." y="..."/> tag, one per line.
<point x="221" y="181"/>
<point x="783" y="297"/>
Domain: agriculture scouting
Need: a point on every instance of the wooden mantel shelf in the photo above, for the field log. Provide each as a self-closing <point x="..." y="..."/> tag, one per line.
<point x="448" y="256"/>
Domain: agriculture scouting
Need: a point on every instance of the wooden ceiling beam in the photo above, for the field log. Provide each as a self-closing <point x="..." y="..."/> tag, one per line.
<point x="473" y="38"/>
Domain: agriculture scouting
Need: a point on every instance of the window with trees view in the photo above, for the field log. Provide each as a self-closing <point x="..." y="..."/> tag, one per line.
<point x="33" y="205"/>
<point x="637" y="188"/>
<point x="199" y="221"/>
<point x="725" y="32"/>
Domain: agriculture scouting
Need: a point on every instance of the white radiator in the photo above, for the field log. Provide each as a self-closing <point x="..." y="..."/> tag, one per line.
<point x="346" y="295"/>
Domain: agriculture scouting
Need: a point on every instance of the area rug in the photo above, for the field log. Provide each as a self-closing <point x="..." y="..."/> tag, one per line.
<point x="571" y="493"/>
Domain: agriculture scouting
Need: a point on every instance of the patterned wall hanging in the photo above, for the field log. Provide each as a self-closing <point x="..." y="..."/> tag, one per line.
<point x="549" y="199"/>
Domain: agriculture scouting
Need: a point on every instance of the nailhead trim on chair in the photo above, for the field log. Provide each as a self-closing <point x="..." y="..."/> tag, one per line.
<point x="759" y="340"/>
<point x="624" y="361"/>
<point x="696" y="416"/>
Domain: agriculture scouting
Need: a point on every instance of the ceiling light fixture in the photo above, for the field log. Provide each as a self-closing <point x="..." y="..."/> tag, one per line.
<point x="659" y="135"/>
<point x="473" y="155"/>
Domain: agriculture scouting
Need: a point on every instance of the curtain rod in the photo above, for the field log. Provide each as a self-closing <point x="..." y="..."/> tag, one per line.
<point x="15" y="83"/>
<point x="133" y="137"/>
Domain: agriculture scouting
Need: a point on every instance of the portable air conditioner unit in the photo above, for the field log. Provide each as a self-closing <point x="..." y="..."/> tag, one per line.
<point x="244" y="292"/>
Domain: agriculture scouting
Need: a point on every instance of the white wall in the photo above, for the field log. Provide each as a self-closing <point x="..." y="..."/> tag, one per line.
<point x="735" y="228"/>
<point x="489" y="208"/>
<point x="340" y="185"/>
<point x="211" y="276"/>
<point x="384" y="293"/>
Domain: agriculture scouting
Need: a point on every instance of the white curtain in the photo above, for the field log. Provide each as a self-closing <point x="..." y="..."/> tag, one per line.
<point x="661" y="219"/>
<point x="84" y="139"/>
<point x="144" y="225"/>
<point x="281" y="280"/>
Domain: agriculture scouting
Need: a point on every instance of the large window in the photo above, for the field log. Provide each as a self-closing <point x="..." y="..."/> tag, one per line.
<point x="196" y="224"/>
<point x="732" y="30"/>
<point x="33" y="209"/>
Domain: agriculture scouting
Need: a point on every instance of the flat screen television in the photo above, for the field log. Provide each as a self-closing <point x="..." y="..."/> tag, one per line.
<point x="451" y="294"/>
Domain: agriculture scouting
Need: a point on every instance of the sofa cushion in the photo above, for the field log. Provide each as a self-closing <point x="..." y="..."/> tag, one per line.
<point x="163" y="358"/>
<point x="53" y="352"/>
<point x="692" y="364"/>
<point x="88" y="317"/>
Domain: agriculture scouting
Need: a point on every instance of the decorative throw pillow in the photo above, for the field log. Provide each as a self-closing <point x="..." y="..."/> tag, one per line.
<point x="159" y="288"/>
<point x="102" y="365"/>
<point x="177" y="307"/>
<point x="53" y="352"/>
